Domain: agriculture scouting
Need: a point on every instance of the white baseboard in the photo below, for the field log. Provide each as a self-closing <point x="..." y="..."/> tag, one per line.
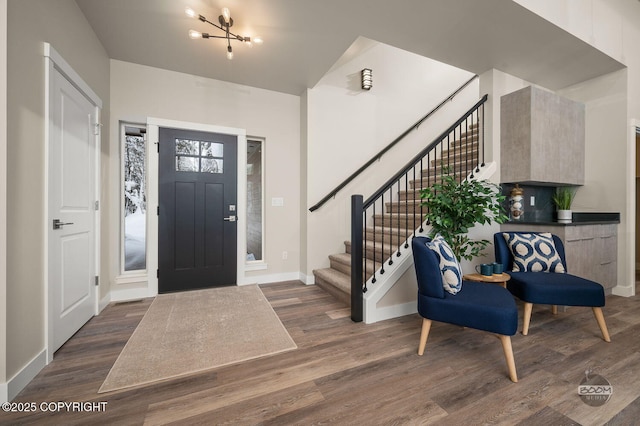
<point x="395" y="311"/>
<point x="271" y="278"/>
<point x="127" y="294"/>
<point x="623" y="291"/>
<point x="307" y="279"/>
<point x="104" y="302"/>
<point x="14" y="386"/>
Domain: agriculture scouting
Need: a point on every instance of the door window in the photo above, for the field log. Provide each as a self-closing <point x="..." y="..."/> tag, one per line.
<point x="199" y="156"/>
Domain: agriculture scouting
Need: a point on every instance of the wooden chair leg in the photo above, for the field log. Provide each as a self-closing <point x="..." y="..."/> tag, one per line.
<point x="508" y="354"/>
<point x="528" y="307"/>
<point x="554" y="309"/>
<point x="424" y="334"/>
<point x="597" y="312"/>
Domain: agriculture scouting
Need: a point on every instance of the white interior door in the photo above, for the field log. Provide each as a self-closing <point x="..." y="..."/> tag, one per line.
<point x="71" y="206"/>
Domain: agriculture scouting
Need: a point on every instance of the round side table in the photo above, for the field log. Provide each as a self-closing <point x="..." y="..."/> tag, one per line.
<point x="495" y="278"/>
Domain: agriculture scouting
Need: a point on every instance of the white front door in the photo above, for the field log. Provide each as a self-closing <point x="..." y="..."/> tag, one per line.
<point x="71" y="207"/>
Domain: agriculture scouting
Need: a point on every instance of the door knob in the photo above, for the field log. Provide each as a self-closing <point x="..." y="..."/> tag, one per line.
<point x="230" y="219"/>
<point x="57" y="224"/>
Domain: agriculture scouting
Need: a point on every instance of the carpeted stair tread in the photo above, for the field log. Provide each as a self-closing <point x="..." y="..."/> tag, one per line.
<point x="342" y="262"/>
<point x="377" y="233"/>
<point x="402" y="213"/>
<point x="335" y="283"/>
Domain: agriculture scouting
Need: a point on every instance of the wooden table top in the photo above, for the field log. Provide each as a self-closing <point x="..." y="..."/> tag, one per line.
<point x="495" y="278"/>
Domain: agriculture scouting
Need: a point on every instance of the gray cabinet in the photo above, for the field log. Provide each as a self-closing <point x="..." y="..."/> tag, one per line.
<point x="591" y="250"/>
<point x="541" y="138"/>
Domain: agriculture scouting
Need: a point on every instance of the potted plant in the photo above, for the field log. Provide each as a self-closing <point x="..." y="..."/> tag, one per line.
<point x="454" y="207"/>
<point x="563" y="198"/>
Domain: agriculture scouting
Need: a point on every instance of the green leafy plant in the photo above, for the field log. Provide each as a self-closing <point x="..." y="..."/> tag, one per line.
<point x="453" y="208"/>
<point x="563" y="197"/>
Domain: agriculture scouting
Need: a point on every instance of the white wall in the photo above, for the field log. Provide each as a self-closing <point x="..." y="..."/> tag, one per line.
<point x="593" y="21"/>
<point x="139" y="92"/>
<point x="609" y="25"/>
<point x="3" y="199"/>
<point x="606" y="186"/>
<point x="497" y="84"/>
<point x="347" y="126"/>
<point x="613" y="102"/>
<point x="303" y="186"/>
<point x="30" y="24"/>
<point x="605" y="134"/>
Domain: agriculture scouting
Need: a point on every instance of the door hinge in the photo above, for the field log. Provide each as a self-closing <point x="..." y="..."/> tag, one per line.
<point x="157" y="273"/>
<point x="97" y="280"/>
<point x="158" y="211"/>
<point x="157" y="146"/>
<point x="96" y="128"/>
<point x="96" y="205"/>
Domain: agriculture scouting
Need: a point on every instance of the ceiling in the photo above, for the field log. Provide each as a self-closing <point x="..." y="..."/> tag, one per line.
<point x="304" y="38"/>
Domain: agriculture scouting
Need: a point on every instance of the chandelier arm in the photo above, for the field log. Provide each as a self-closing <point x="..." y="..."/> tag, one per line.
<point x="226" y="30"/>
<point x="214" y="24"/>
<point x="215" y="36"/>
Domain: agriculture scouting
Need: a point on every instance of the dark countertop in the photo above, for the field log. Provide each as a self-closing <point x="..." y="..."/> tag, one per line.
<point x="579" y="218"/>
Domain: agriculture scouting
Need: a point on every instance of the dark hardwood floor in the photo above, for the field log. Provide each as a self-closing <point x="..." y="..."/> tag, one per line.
<point x="353" y="373"/>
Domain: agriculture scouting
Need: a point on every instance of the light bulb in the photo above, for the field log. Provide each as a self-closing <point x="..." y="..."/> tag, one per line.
<point x="229" y="53"/>
<point x="195" y="34"/>
<point x="190" y="12"/>
<point x="226" y="15"/>
<point x="257" y="40"/>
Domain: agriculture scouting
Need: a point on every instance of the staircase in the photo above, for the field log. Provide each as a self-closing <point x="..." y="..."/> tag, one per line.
<point x="386" y="232"/>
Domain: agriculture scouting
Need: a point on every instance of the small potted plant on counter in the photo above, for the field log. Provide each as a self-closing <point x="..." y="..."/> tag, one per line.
<point x="563" y="198"/>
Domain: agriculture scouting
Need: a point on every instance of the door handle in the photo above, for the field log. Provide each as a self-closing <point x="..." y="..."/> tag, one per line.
<point x="57" y="224"/>
<point x="230" y="219"/>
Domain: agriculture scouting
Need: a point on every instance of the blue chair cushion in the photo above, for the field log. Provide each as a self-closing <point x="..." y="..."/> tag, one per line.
<point x="555" y="289"/>
<point x="477" y="305"/>
<point x="448" y="264"/>
<point x="533" y="252"/>
<point x="427" y="268"/>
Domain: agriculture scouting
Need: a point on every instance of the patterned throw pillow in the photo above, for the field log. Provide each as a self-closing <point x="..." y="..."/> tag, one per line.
<point x="534" y="252"/>
<point x="449" y="266"/>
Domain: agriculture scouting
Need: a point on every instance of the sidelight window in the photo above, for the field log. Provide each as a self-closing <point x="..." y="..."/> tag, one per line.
<point x="134" y="199"/>
<point x="255" y="203"/>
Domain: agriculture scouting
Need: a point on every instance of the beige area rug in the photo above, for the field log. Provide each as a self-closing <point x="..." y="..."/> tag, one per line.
<point x="184" y="333"/>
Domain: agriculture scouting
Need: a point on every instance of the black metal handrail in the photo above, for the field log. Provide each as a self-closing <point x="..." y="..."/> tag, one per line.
<point x="424" y="152"/>
<point x="377" y="157"/>
<point x="395" y="211"/>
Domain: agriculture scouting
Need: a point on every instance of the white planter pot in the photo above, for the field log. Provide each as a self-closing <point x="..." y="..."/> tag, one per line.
<point x="564" y="216"/>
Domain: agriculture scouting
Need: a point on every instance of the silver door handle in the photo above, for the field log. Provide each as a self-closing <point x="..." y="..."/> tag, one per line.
<point x="57" y="224"/>
<point x="230" y="219"/>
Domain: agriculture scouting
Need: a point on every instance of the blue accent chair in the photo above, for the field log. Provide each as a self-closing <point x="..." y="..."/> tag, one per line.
<point x="477" y="305"/>
<point x="550" y="288"/>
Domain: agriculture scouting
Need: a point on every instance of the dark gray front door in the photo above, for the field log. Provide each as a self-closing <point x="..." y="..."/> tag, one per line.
<point x="197" y="210"/>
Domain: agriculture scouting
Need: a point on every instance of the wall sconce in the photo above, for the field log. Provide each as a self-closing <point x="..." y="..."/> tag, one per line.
<point x="367" y="80"/>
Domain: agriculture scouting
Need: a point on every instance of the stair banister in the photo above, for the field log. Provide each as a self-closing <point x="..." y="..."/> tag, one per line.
<point x="359" y="207"/>
<point x="377" y="157"/>
<point x="422" y="153"/>
<point x="357" y="273"/>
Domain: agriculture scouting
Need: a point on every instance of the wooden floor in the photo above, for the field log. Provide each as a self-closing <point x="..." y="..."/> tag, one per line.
<point x="352" y="373"/>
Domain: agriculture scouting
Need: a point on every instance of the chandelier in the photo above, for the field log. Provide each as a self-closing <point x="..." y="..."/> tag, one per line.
<point x="224" y="23"/>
